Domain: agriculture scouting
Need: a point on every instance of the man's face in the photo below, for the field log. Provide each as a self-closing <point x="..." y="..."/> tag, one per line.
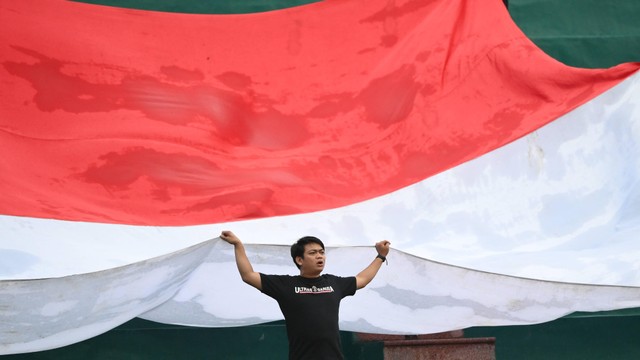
<point x="313" y="261"/>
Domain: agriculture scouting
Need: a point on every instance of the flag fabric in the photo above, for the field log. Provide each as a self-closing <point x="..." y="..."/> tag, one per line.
<point x="507" y="182"/>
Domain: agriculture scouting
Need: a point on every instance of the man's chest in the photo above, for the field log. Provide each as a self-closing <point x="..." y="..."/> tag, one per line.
<point x="304" y="297"/>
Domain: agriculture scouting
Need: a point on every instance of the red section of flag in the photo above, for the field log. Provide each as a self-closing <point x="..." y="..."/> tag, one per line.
<point x="113" y="115"/>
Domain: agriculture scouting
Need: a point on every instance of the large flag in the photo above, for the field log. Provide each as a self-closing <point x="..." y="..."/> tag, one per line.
<point x="506" y="181"/>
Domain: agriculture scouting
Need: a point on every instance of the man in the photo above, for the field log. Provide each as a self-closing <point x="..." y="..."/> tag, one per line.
<point x="310" y="301"/>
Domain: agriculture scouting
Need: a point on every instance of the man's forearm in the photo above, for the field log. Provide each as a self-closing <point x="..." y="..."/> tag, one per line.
<point x="366" y="275"/>
<point x="242" y="261"/>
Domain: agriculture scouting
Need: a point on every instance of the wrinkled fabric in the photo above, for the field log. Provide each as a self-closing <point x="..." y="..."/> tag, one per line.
<point x="418" y="296"/>
<point x="560" y="204"/>
<point x="40" y="314"/>
<point x="507" y="182"/>
<point x="200" y="286"/>
<point x="175" y="119"/>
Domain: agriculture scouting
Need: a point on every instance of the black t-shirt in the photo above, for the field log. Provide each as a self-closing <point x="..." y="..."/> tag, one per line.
<point x="310" y="308"/>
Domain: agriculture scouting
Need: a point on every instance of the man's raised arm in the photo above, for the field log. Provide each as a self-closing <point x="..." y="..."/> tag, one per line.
<point x="242" y="261"/>
<point x="365" y="276"/>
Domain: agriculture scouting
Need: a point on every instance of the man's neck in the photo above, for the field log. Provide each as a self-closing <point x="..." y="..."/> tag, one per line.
<point x="310" y="276"/>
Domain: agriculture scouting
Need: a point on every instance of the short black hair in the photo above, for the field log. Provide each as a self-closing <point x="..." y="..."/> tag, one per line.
<point x="297" y="249"/>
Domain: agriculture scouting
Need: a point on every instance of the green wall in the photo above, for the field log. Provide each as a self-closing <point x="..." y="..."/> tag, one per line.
<point x="606" y="336"/>
<point x="145" y="340"/>
<point x="571" y="338"/>
<point x="203" y="7"/>
<point x="583" y="33"/>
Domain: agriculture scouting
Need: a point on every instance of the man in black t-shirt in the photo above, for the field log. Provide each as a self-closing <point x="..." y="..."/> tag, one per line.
<point x="310" y="301"/>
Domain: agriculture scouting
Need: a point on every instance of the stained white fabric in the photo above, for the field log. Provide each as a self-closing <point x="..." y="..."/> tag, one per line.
<point x="561" y="205"/>
<point x="40" y="314"/>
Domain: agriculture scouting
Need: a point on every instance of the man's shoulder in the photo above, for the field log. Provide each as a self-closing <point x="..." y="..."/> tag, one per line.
<point x="335" y="278"/>
<point x="284" y="276"/>
<point x="278" y="277"/>
<point x="273" y="285"/>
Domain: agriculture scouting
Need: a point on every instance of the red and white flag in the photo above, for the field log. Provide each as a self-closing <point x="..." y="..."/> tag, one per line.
<point x="130" y="138"/>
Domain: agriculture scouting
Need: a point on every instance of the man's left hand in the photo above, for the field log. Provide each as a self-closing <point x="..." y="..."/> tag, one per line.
<point x="383" y="247"/>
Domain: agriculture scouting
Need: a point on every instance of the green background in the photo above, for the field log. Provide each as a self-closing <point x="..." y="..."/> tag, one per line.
<point x="582" y="33"/>
<point x="601" y="336"/>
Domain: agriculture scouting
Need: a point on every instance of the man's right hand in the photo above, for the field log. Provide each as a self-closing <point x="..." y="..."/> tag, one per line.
<point x="229" y="237"/>
<point x="242" y="261"/>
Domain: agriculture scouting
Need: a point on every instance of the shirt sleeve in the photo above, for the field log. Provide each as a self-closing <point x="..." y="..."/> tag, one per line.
<point x="348" y="285"/>
<point x="271" y="285"/>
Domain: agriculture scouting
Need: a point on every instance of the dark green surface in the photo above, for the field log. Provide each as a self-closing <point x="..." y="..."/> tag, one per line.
<point x="572" y="338"/>
<point x="581" y="336"/>
<point x="139" y="339"/>
<point x="582" y="33"/>
<point x="203" y="6"/>
<point x="145" y="340"/>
